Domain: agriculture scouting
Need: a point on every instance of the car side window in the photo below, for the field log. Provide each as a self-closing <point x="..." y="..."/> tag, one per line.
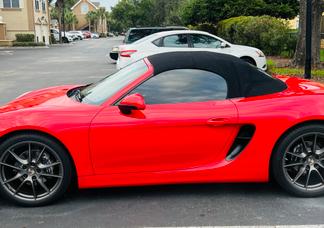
<point x="180" y="41"/>
<point x="203" y="41"/>
<point x="183" y="86"/>
<point x="157" y="42"/>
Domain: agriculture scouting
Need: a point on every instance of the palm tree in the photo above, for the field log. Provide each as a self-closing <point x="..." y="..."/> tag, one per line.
<point x="70" y="19"/>
<point x="101" y="13"/>
<point x="92" y="19"/>
<point x="107" y="17"/>
<point x="57" y="13"/>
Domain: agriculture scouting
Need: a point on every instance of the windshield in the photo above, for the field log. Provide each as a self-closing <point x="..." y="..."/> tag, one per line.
<point x="99" y="92"/>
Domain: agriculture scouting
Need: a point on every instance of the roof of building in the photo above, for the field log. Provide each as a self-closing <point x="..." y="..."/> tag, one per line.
<point x="94" y="4"/>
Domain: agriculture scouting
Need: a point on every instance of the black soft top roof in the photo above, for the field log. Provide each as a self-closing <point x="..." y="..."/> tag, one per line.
<point x="243" y="79"/>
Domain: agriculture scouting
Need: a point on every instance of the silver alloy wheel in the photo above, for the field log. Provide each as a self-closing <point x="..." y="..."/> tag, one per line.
<point x="303" y="161"/>
<point x="31" y="171"/>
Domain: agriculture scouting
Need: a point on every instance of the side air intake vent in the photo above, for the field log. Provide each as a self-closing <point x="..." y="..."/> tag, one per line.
<point x="242" y="139"/>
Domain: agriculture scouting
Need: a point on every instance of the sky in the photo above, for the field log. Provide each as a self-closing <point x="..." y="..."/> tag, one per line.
<point x="107" y="3"/>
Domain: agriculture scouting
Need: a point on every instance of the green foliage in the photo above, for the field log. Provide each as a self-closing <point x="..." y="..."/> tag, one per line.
<point x="322" y="55"/>
<point x="99" y="15"/>
<point x="52" y="39"/>
<point x="269" y="34"/>
<point x="204" y="27"/>
<point x="20" y="37"/>
<point x="27" y="44"/>
<point x="139" y="13"/>
<point x="319" y="74"/>
<point x="102" y="35"/>
<point x="213" y="11"/>
<point x="69" y="18"/>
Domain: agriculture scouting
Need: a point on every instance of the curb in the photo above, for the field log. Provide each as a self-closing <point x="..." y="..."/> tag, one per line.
<point x="23" y="48"/>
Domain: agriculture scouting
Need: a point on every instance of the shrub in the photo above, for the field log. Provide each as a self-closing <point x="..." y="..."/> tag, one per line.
<point x="102" y="35"/>
<point x="25" y="37"/>
<point x="204" y="27"/>
<point x="269" y="34"/>
<point x="27" y="44"/>
<point x="52" y="39"/>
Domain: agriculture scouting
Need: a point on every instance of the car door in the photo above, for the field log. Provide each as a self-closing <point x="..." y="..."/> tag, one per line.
<point x="187" y="123"/>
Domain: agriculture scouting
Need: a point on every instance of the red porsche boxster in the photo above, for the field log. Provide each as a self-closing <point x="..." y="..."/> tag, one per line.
<point x="171" y="118"/>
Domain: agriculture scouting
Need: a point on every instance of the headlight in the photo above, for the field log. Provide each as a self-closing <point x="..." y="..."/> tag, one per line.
<point x="115" y="49"/>
<point x="260" y="53"/>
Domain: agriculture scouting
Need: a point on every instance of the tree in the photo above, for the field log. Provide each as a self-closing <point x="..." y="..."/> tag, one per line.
<point x="60" y="5"/>
<point x="213" y="11"/>
<point x="101" y="15"/>
<point x="299" y="57"/>
<point x="92" y="18"/>
<point x="70" y="19"/>
<point x="135" y="13"/>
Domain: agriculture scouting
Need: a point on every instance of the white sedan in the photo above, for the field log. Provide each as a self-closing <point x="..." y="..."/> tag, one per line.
<point x="187" y="40"/>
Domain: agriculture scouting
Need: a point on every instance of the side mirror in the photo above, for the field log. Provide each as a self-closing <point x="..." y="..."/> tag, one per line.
<point x="132" y="102"/>
<point x="223" y="45"/>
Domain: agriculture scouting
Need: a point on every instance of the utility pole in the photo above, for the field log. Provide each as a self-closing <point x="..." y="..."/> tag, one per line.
<point x="308" y="59"/>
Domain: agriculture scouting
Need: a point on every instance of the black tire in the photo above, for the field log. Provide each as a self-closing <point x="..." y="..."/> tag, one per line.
<point x="297" y="161"/>
<point x="249" y="60"/>
<point x="65" y="40"/>
<point x="41" y="186"/>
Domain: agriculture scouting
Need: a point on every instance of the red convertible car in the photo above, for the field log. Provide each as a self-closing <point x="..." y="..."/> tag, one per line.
<point x="171" y="118"/>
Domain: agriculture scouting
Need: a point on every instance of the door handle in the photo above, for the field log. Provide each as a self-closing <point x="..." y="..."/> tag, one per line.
<point x="217" y="121"/>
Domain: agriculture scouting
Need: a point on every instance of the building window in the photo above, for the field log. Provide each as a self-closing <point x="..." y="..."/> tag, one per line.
<point x="36" y="5"/>
<point x="84" y="8"/>
<point x="43" y="6"/>
<point x="11" y="3"/>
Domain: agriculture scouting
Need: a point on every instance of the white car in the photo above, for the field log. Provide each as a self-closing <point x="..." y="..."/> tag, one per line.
<point x="187" y="40"/>
<point x="66" y="39"/>
<point x="94" y="35"/>
<point x="79" y="34"/>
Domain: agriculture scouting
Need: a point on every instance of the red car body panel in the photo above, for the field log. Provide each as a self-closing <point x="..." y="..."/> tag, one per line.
<point x="165" y="144"/>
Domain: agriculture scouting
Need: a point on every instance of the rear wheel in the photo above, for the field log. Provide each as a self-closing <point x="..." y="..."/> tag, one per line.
<point x="34" y="170"/>
<point x="298" y="161"/>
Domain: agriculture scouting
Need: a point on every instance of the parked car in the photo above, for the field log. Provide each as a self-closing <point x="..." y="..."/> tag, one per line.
<point x="95" y="35"/>
<point x="79" y="34"/>
<point x="74" y="36"/>
<point x="66" y="38"/>
<point x="171" y="118"/>
<point x="110" y="34"/>
<point x="187" y="40"/>
<point x="86" y="34"/>
<point x="134" y="34"/>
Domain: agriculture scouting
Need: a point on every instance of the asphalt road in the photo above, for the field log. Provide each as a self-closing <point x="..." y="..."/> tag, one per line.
<point x="163" y="206"/>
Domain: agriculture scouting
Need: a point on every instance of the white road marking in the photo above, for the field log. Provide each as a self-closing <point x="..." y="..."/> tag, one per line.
<point x="6" y="52"/>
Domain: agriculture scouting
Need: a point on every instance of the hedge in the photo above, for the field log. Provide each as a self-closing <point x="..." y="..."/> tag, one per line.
<point x="269" y="34"/>
<point x="27" y="44"/>
<point x="25" y="37"/>
<point x="207" y="27"/>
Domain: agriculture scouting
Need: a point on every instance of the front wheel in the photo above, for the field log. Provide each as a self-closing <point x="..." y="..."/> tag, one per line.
<point x="298" y="161"/>
<point x="65" y="40"/>
<point x="34" y="170"/>
<point x="249" y="60"/>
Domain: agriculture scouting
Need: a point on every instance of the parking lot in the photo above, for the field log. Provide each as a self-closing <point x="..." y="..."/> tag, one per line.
<point x="22" y="70"/>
